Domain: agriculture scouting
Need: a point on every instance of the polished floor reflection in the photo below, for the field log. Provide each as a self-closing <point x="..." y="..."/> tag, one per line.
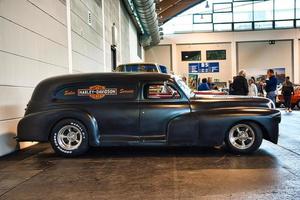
<point x="158" y="173"/>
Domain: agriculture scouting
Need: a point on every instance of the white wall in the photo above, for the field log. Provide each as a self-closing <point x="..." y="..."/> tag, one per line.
<point x="29" y="51"/>
<point x="33" y="46"/>
<point x="257" y="57"/>
<point x="161" y="54"/>
<point x="225" y="65"/>
<point x="233" y="38"/>
<point x="87" y="40"/>
<point x="133" y="43"/>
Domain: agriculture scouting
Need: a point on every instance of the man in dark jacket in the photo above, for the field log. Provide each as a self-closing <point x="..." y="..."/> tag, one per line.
<point x="240" y="84"/>
<point x="271" y="85"/>
<point x="287" y="92"/>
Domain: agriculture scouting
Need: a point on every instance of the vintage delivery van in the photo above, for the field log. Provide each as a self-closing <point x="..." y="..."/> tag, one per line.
<point x="75" y="112"/>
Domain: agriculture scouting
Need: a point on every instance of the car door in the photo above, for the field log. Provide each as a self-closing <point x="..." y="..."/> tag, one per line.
<point x="159" y="103"/>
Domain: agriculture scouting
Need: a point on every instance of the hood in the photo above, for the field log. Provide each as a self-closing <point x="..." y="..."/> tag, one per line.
<point x="203" y="102"/>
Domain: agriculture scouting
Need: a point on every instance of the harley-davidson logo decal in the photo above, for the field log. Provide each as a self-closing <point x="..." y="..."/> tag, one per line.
<point x="97" y="92"/>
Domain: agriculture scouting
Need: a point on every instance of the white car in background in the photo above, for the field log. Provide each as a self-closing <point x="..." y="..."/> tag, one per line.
<point x="142" y="67"/>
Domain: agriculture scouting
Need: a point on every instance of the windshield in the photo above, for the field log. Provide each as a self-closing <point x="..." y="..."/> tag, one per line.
<point x="163" y="69"/>
<point x="187" y="91"/>
<point x="137" y="68"/>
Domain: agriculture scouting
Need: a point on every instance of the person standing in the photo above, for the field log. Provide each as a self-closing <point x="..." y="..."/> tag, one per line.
<point x="252" y="88"/>
<point x="271" y="85"/>
<point x="203" y="86"/>
<point x="240" y="84"/>
<point x="287" y="92"/>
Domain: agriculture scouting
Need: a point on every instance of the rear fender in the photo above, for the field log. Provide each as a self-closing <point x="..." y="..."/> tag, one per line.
<point x="38" y="126"/>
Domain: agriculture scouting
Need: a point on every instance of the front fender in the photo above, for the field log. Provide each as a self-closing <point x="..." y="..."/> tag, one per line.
<point x="209" y="127"/>
<point x="38" y="126"/>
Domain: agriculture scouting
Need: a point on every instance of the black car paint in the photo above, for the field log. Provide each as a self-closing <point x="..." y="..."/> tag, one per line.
<point x="201" y="121"/>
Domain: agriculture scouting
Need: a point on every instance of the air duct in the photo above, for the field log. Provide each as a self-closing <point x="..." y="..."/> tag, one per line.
<point x="144" y="14"/>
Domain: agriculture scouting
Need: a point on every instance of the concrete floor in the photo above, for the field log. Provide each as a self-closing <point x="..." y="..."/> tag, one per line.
<point x="158" y="173"/>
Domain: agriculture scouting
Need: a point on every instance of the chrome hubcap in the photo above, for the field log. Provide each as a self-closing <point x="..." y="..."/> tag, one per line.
<point x="69" y="137"/>
<point x="241" y="136"/>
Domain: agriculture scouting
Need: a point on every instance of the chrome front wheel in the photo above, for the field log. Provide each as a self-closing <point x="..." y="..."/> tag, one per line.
<point x="244" y="137"/>
<point x="241" y="136"/>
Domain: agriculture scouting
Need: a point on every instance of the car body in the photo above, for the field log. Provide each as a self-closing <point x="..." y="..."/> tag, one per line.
<point x="142" y="67"/>
<point x="111" y="109"/>
<point x="295" y="101"/>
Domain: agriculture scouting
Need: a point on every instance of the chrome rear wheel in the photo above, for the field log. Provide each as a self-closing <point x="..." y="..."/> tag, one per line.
<point x="69" y="137"/>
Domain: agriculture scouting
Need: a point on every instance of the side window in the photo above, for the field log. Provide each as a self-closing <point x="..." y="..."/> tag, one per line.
<point x="161" y="91"/>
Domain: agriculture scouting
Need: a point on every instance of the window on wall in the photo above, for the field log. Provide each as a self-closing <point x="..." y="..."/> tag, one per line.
<point x="284" y="9"/>
<point x="263" y="11"/>
<point x="242" y="12"/>
<point x="216" y="55"/>
<point x="240" y="15"/>
<point x="297" y="9"/>
<point x="191" y="55"/>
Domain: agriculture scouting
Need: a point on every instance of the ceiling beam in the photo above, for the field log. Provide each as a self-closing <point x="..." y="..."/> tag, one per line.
<point x="165" y="4"/>
<point x="172" y="8"/>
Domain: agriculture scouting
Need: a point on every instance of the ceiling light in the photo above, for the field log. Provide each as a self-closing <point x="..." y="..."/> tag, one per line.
<point x="207" y="5"/>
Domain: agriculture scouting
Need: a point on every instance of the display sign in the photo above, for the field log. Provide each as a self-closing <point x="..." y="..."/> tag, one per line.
<point x="207" y="67"/>
<point x="194" y="67"/>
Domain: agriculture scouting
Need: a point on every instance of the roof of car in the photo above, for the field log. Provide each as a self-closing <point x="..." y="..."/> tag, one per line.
<point x="112" y="76"/>
<point x="44" y="88"/>
<point x="139" y="63"/>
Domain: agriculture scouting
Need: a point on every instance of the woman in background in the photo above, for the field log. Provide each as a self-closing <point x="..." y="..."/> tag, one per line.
<point x="287" y="92"/>
<point x="252" y="88"/>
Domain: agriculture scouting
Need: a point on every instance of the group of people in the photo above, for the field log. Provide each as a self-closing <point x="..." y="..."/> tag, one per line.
<point x="240" y="86"/>
<point x="206" y="84"/>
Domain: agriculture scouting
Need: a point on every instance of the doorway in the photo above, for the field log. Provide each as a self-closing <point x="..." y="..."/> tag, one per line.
<point x="113" y="57"/>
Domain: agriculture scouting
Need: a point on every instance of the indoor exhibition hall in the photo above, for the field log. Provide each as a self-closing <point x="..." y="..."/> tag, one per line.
<point x="150" y="99"/>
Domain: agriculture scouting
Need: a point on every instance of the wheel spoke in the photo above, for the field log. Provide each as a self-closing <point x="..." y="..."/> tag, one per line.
<point x="238" y="130"/>
<point x="69" y="143"/>
<point x="77" y="133"/>
<point x="243" y="143"/>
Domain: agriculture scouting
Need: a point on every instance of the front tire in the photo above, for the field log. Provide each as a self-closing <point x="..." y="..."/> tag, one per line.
<point x="69" y="138"/>
<point x="244" y="138"/>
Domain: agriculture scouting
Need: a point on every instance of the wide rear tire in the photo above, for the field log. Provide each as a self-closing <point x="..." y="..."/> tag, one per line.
<point x="244" y="138"/>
